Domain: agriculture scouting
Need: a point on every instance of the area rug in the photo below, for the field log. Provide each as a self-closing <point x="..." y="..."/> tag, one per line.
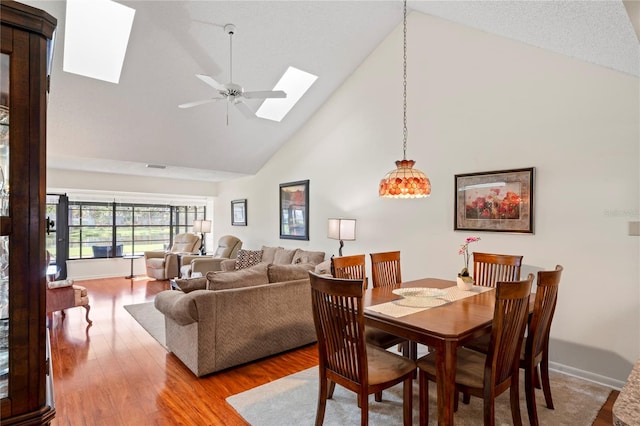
<point x="150" y="319"/>
<point x="292" y="401"/>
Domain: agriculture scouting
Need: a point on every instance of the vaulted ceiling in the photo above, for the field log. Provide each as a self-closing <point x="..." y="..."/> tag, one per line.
<point x="119" y="128"/>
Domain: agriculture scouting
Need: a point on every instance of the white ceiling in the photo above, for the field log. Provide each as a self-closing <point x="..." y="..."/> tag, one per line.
<point x="100" y="126"/>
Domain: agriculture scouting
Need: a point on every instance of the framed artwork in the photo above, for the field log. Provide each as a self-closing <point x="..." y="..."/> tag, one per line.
<point x="500" y="201"/>
<point x="294" y="210"/>
<point x="239" y="212"/>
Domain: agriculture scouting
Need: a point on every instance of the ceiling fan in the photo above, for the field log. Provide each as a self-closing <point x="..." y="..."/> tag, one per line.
<point x="233" y="93"/>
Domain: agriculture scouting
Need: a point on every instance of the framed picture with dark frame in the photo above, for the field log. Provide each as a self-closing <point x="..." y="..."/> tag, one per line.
<point x="294" y="210"/>
<point x="239" y="212"/>
<point x="498" y="201"/>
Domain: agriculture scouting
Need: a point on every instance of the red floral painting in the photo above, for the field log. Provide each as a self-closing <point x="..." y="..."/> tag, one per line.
<point x="493" y="203"/>
<point x="499" y="201"/>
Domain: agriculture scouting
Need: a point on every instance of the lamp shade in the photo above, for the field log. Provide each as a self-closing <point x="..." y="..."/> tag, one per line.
<point x="202" y="226"/>
<point x="405" y="182"/>
<point x="342" y="229"/>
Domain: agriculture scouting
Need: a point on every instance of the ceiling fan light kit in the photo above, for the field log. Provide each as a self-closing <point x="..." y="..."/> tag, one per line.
<point x="231" y="92"/>
<point x="404" y="181"/>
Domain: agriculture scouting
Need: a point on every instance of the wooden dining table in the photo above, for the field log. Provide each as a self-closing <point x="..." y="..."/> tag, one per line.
<point x="443" y="328"/>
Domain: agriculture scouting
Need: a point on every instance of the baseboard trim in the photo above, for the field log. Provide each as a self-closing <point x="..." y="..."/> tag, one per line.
<point x="586" y="375"/>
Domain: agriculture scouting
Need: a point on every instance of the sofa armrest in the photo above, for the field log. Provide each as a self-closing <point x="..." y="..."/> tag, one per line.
<point x="206" y="264"/>
<point x="180" y="307"/>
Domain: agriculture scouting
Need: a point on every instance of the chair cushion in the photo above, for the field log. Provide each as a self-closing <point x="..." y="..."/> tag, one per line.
<point x="303" y="256"/>
<point x="155" y="263"/>
<point x="281" y="273"/>
<point x="385" y="366"/>
<point x="469" y="371"/>
<point x="247" y="258"/>
<point x="247" y="277"/>
<point x="380" y="338"/>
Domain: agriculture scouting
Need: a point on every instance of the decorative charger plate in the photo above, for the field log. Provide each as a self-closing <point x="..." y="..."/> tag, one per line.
<point x="419" y="297"/>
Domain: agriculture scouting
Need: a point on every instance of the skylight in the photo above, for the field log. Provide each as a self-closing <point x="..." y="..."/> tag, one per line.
<point x="96" y="38"/>
<point x="295" y="83"/>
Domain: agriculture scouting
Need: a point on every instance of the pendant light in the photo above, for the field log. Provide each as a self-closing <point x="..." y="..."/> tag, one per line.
<point x="405" y="181"/>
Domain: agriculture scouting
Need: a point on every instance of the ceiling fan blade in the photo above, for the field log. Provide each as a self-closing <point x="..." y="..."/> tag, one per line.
<point x="245" y="110"/>
<point x="211" y="82"/>
<point x="196" y="103"/>
<point x="265" y="94"/>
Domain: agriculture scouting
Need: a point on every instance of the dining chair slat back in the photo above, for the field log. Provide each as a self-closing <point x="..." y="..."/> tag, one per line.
<point x="487" y="376"/>
<point x="344" y="357"/>
<point x="489" y="268"/>
<point x="536" y="349"/>
<point x="385" y="269"/>
<point x="350" y="268"/>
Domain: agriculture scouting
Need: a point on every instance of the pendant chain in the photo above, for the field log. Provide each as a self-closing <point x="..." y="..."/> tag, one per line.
<point x="404" y="79"/>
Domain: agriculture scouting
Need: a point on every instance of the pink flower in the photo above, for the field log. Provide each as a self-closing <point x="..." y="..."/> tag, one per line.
<point x="464" y="250"/>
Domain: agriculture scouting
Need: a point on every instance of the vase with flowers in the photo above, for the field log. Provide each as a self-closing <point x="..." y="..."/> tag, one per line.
<point x="464" y="280"/>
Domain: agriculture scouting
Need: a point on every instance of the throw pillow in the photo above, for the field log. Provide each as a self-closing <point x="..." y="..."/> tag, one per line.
<point x="248" y="277"/>
<point x="303" y="256"/>
<point x="269" y="253"/>
<point x="323" y="268"/>
<point x="284" y="256"/>
<point x="247" y="258"/>
<point x="282" y="273"/>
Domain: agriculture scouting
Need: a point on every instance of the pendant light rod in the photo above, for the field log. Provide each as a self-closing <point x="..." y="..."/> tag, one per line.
<point x="404" y="82"/>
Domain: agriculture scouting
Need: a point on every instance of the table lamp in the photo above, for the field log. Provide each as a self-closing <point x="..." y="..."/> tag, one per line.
<point x="202" y="227"/>
<point x="342" y="229"/>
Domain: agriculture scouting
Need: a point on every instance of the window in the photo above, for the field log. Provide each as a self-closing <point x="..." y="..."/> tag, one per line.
<point x="117" y="229"/>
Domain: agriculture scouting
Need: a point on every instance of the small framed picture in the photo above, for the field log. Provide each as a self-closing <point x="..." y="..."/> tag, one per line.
<point x="294" y="210"/>
<point x="239" y="212"/>
<point x="500" y="201"/>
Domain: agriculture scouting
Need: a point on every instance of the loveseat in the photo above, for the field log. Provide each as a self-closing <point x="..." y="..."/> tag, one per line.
<point x="229" y="318"/>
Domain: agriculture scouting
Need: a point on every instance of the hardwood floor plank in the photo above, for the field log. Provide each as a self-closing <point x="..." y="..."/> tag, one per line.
<point x="114" y="373"/>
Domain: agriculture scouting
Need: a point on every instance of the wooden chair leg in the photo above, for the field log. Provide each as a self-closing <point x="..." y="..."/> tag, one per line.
<point x="407" y="402"/>
<point x="515" y="400"/>
<point x="364" y="409"/>
<point x="87" y="307"/>
<point x="322" y="401"/>
<point x="378" y="396"/>
<point x="546" y="385"/>
<point x="530" y="394"/>
<point x="423" y="386"/>
<point x="332" y="387"/>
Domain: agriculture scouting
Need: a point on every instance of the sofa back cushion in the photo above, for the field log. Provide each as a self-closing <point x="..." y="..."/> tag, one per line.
<point x="284" y="256"/>
<point x="247" y="258"/>
<point x="247" y="277"/>
<point x="281" y="273"/>
<point x="269" y="253"/>
<point x="303" y="256"/>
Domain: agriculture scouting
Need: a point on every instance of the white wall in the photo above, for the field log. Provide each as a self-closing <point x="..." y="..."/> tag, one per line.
<point x="478" y="102"/>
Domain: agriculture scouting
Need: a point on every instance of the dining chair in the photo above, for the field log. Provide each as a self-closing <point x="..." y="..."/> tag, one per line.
<point x="535" y="351"/>
<point x="490" y="268"/>
<point x="353" y="267"/>
<point x="489" y="375"/>
<point x="344" y="356"/>
<point x="350" y="268"/>
<point x="385" y="271"/>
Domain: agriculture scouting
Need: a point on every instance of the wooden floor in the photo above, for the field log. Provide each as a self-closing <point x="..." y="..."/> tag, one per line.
<point x="114" y="373"/>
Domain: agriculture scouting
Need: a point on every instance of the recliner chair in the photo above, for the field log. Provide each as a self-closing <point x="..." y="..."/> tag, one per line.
<point x="163" y="265"/>
<point x="228" y="247"/>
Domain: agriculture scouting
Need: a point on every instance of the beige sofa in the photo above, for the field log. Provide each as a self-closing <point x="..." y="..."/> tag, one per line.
<point x="231" y="318"/>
